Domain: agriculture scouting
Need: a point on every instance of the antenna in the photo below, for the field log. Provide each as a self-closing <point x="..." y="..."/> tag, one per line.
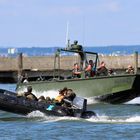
<point x="83" y="37"/>
<point x="67" y="35"/>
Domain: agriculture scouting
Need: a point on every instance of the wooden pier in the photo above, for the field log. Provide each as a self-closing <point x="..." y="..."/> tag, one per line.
<point x="43" y="66"/>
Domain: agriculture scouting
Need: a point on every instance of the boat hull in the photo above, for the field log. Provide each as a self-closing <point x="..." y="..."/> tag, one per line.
<point x="90" y="87"/>
<point x="21" y="105"/>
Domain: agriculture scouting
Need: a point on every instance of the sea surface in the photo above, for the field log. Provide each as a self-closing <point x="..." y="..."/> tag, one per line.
<point x="113" y="122"/>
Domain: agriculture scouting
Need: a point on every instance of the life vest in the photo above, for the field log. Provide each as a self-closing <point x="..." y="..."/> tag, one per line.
<point x="59" y="98"/>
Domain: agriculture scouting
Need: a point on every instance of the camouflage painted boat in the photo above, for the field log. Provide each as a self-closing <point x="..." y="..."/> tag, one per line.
<point x="111" y="89"/>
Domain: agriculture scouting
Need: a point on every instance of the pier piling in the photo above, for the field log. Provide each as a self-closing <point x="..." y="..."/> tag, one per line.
<point x="20" y="64"/>
<point x="136" y="61"/>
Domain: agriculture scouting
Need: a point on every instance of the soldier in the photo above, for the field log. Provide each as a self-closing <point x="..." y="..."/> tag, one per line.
<point x="76" y="73"/>
<point x="29" y="94"/>
<point x="130" y="70"/>
<point x="75" y="46"/>
<point x="42" y="99"/>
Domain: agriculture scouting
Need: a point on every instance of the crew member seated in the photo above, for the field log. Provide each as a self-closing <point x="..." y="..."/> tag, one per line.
<point x="76" y="73"/>
<point x="48" y="100"/>
<point x="42" y="99"/>
<point x="60" y="97"/>
<point x="29" y="95"/>
<point x="130" y="70"/>
<point x="65" y="97"/>
<point x="102" y="70"/>
<point x="89" y="70"/>
<point x="69" y="97"/>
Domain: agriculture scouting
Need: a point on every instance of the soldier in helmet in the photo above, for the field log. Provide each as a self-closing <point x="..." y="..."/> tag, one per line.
<point x="75" y="46"/>
<point x="28" y="94"/>
<point x="75" y="42"/>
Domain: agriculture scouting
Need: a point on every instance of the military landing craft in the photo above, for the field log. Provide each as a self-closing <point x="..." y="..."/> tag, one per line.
<point x="114" y="89"/>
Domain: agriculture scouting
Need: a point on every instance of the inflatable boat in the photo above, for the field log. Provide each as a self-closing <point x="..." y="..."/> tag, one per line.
<point x="21" y="105"/>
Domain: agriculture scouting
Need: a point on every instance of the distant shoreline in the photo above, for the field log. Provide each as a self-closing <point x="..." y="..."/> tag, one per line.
<point x="47" y="51"/>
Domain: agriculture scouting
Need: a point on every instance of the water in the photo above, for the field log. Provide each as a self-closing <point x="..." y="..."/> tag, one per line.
<point x="40" y="51"/>
<point x="113" y="122"/>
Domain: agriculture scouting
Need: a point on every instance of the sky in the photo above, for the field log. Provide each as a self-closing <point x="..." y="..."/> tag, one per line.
<point x="46" y="23"/>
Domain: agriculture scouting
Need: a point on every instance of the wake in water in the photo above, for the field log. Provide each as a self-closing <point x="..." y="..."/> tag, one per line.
<point x="134" y="101"/>
<point x="42" y="117"/>
<point x="99" y="119"/>
<point x="108" y="119"/>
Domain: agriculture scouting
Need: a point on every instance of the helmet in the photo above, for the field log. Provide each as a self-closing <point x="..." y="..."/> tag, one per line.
<point x="75" y="41"/>
<point x="29" y="89"/>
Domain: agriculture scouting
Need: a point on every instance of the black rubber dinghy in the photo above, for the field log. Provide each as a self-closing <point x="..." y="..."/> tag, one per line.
<point x="21" y="105"/>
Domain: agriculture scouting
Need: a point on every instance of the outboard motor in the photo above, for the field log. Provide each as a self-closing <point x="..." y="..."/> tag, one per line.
<point x="81" y="106"/>
<point x="81" y="111"/>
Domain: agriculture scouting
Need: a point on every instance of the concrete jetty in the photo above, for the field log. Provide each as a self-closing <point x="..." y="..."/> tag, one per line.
<point x="11" y="67"/>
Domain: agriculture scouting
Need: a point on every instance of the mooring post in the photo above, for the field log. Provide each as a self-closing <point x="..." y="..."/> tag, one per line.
<point x="20" y="65"/>
<point x="136" y="61"/>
